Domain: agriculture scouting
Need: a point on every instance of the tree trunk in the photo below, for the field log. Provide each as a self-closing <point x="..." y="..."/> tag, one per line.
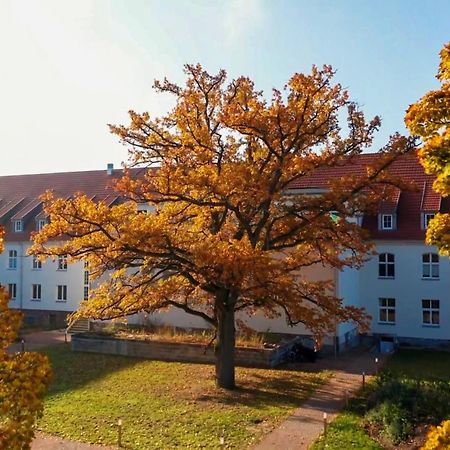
<point x="225" y="344"/>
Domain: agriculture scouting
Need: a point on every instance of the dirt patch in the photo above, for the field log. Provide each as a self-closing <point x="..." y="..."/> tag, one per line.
<point x="414" y="442"/>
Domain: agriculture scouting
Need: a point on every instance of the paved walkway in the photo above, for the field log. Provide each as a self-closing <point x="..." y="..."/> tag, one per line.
<point x="39" y="339"/>
<point x="45" y="442"/>
<point x="303" y="427"/>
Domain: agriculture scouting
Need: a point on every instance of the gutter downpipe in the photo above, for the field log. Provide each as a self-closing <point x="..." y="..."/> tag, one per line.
<point x="336" y="291"/>
<point x="21" y="260"/>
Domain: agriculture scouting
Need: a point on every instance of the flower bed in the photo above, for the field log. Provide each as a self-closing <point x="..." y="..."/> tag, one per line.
<point x="176" y="351"/>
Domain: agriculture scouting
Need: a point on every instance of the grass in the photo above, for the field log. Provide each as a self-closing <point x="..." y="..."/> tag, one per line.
<point x="347" y="430"/>
<point x="423" y="365"/>
<point x="165" y="405"/>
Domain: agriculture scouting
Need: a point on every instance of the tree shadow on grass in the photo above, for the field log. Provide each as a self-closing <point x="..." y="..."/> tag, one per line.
<point x="72" y="370"/>
<point x="268" y="390"/>
<point x="255" y="387"/>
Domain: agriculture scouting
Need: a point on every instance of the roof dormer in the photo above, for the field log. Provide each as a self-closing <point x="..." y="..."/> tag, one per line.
<point x="387" y="212"/>
<point x="17" y="226"/>
<point x="425" y="219"/>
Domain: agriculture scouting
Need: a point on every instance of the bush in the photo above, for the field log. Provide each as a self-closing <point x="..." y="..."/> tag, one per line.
<point x="393" y="421"/>
<point x="395" y="405"/>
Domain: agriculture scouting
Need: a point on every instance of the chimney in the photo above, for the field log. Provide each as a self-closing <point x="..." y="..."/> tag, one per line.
<point x="109" y="168"/>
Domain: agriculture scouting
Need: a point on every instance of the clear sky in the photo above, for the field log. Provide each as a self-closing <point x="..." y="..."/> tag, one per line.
<point x="70" y="67"/>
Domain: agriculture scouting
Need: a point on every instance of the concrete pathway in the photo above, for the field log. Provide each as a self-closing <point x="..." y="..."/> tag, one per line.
<point x="39" y="339"/>
<point x="303" y="427"/>
<point x="45" y="442"/>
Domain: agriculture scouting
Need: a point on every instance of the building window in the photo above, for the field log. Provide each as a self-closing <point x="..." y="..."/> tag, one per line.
<point x="12" y="291"/>
<point x="387" y="222"/>
<point x="430" y="312"/>
<point x="37" y="264"/>
<point x="430" y="265"/>
<point x="41" y="224"/>
<point x="86" y="293"/>
<point x="386" y="265"/>
<point x="61" y="293"/>
<point x="386" y="310"/>
<point x="18" y="226"/>
<point x="36" y="291"/>
<point x="62" y="262"/>
<point x="12" y="259"/>
<point x="426" y="219"/>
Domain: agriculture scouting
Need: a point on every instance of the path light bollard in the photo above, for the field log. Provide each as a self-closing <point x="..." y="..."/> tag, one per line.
<point x="325" y="424"/>
<point x="376" y="366"/>
<point x="22" y="345"/>
<point x="222" y="443"/>
<point x="363" y="380"/>
<point x="119" y="433"/>
<point x="65" y="336"/>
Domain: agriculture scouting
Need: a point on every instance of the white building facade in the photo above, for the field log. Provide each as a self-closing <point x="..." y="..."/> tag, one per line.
<point x="405" y="287"/>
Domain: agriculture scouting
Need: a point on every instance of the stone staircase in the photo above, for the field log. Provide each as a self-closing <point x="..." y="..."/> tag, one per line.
<point x="79" y="326"/>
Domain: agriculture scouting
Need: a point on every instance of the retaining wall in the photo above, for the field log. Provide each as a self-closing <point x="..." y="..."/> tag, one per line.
<point x="173" y="351"/>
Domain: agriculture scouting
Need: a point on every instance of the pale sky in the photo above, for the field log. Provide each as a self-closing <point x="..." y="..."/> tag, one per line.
<point x="70" y="67"/>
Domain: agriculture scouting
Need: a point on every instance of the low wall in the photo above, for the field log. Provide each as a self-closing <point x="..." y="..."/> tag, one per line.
<point x="172" y="351"/>
<point x="45" y="318"/>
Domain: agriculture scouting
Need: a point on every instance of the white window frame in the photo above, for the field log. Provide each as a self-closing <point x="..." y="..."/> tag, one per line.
<point x="36" y="292"/>
<point x="386" y="307"/>
<point x="37" y="263"/>
<point x="426" y="219"/>
<point x="384" y="226"/>
<point x="61" y="293"/>
<point x="86" y="293"/>
<point x="432" y="308"/>
<point x="12" y="291"/>
<point x="41" y="224"/>
<point x="12" y="259"/>
<point x="62" y="263"/>
<point x="383" y="261"/>
<point x="429" y="266"/>
<point x="18" y="226"/>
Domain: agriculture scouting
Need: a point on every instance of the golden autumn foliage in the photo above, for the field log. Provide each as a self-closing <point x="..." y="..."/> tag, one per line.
<point x="429" y="118"/>
<point x="225" y="234"/>
<point x="438" y="437"/>
<point x="24" y="378"/>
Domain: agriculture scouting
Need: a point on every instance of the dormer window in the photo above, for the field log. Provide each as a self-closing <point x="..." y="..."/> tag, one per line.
<point x="387" y="222"/>
<point x="41" y="224"/>
<point x="426" y="218"/>
<point x="18" y="226"/>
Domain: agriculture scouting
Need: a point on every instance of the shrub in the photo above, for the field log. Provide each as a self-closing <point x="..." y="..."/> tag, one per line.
<point x="393" y="421"/>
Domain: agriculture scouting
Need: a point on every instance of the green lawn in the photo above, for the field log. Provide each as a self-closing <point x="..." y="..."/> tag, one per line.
<point x="165" y="405"/>
<point x="431" y="368"/>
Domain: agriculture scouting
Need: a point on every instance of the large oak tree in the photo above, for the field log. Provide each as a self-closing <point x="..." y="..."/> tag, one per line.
<point x="226" y="234"/>
<point x="429" y="118"/>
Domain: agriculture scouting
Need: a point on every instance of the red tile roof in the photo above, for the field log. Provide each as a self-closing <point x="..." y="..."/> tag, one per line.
<point x="431" y="200"/>
<point x="409" y="205"/>
<point x="389" y="206"/>
<point x="19" y="194"/>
